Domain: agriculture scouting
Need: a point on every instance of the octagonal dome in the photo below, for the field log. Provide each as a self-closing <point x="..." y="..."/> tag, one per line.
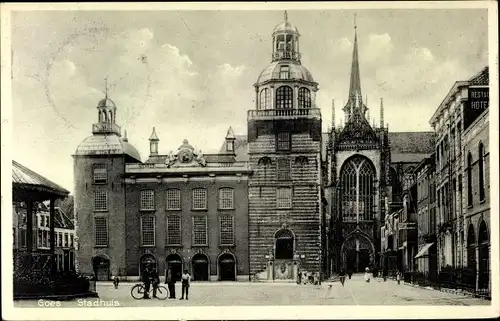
<point x="106" y="102"/>
<point x="107" y="145"/>
<point x="297" y="72"/>
<point x="285" y="27"/>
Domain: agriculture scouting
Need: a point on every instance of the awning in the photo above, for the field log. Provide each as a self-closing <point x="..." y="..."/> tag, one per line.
<point x="424" y="250"/>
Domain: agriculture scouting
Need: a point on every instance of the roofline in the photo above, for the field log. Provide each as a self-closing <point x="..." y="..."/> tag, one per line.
<point x="451" y="93"/>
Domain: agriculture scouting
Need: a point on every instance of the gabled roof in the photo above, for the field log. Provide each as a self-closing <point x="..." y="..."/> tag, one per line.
<point x="240" y="148"/>
<point x="412" y="142"/>
<point x="25" y="178"/>
<point x="481" y="79"/>
<point x="67" y="206"/>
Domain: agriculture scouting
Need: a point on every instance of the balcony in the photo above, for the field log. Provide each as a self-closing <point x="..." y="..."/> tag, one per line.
<point x="270" y="114"/>
<point x="286" y="55"/>
<point x="105" y="128"/>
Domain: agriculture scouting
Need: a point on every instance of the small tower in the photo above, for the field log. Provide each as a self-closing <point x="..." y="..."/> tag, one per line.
<point x="230" y="141"/>
<point x="153" y="143"/>
<point x="106" y="117"/>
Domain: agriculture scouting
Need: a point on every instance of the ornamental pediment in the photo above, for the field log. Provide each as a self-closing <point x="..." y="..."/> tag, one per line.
<point x="186" y="156"/>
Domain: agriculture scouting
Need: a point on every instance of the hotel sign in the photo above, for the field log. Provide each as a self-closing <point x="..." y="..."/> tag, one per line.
<point x="478" y="102"/>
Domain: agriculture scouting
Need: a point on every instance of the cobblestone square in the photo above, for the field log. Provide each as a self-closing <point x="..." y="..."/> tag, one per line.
<point x="355" y="292"/>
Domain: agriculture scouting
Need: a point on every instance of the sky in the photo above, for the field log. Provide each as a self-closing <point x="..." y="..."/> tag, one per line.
<point x="190" y="74"/>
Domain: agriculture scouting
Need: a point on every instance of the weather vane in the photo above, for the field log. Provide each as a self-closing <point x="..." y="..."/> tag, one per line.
<point x="355" y="25"/>
<point x="106" y="87"/>
<point x="286" y="16"/>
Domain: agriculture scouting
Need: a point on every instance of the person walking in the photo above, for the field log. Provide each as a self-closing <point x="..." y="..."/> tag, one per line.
<point x="349" y="273"/>
<point x="186" y="282"/>
<point x="116" y="281"/>
<point x="398" y="276"/>
<point x="170" y="281"/>
<point x="342" y="276"/>
<point x="367" y="275"/>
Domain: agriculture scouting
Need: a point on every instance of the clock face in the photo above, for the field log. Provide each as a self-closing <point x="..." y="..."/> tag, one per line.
<point x="186" y="156"/>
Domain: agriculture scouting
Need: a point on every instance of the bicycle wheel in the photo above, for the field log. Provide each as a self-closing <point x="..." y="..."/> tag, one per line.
<point x="137" y="291"/>
<point x="161" y="292"/>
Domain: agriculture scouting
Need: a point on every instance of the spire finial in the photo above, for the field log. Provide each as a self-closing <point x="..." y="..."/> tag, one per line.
<point x="381" y="112"/>
<point x="286" y="16"/>
<point x="106" y="87"/>
<point x="333" y="113"/>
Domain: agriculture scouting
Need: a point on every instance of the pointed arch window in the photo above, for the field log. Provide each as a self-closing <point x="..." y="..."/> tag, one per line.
<point x="284" y="97"/>
<point x="358" y="192"/>
<point x="304" y="98"/>
<point x="469" y="179"/>
<point x="265" y="98"/>
<point x="481" y="171"/>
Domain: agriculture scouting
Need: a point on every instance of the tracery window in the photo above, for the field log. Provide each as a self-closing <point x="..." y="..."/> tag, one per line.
<point x="304" y="98"/>
<point x="358" y="192"/>
<point x="284" y="97"/>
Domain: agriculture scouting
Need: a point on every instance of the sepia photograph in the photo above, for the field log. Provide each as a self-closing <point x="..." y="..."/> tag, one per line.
<point x="180" y="157"/>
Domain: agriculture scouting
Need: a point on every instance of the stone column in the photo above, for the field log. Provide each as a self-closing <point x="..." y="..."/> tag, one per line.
<point x="273" y="103"/>
<point x="296" y="97"/>
<point x="256" y="97"/>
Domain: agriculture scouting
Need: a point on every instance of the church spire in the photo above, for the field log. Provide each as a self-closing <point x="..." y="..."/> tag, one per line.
<point x="355" y="102"/>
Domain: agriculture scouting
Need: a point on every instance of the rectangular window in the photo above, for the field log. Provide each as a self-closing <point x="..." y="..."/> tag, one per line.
<point x="199" y="199"/>
<point x="173" y="199"/>
<point x="285" y="72"/>
<point x="283" y="140"/>
<point x="200" y="231"/>
<point x="283" y="168"/>
<point x="226" y="199"/>
<point x="147" y="200"/>
<point x="173" y="230"/>
<point x="14" y="236"/>
<point x="101" y="231"/>
<point x="59" y="239"/>
<point x="226" y="230"/>
<point x="148" y="230"/>
<point x="47" y="221"/>
<point x="71" y="240"/>
<point x="66" y="240"/>
<point x="100" y="173"/>
<point x="100" y="200"/>
<point x="22" y="237"/>
<point x="42" y="221"/>
<point x="40" y="238"/>
<point x="284" y="197"/>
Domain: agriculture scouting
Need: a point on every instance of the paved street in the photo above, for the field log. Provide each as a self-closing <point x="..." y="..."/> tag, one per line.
<point x="355" y="292"/>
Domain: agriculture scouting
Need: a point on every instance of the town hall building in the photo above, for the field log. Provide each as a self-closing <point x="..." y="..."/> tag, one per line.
<point x="284" y="199"/>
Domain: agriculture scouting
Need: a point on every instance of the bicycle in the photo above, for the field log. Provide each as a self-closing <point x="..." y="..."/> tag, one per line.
<point x="138" y="290"/>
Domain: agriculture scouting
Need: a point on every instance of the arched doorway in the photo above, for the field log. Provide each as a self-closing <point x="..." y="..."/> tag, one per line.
<point x="200" y="267"/>
<point x="483" y="256"/>
<point x="227" y="267"/>
<point x="148" y="259"/>
<point x="471" y="257"/>
<point x="357" y="253"/>
<point x="101" y="267"/>
<point x="284" y="245"/>
<point x="174" y="261"/>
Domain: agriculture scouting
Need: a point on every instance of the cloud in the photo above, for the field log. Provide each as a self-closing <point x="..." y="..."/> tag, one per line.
<point x="378" y="48"/>
<point x="344" y="44"/>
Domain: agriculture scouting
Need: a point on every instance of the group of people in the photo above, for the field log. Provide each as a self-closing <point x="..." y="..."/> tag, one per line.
<point x="368" y="275"/>
<point x="150" y="277"/>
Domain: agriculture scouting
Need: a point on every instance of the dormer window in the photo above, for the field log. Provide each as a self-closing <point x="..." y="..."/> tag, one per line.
<point x="285" y="72"/>
<point x="230" y="146"/>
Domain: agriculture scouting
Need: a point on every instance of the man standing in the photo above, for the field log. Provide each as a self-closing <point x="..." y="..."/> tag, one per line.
<point x="170" y="281"/>
<point x="186" y="282"/>
<point x="146" y="278"/>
